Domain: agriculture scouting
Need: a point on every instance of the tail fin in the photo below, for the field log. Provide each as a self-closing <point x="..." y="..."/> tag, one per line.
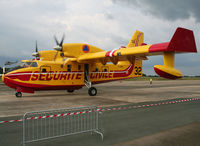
<point x="136" y="40"/>
<point x="182" y="42"/>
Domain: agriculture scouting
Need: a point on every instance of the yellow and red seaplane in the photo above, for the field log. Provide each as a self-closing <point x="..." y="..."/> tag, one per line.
<point x="72" y="66"/>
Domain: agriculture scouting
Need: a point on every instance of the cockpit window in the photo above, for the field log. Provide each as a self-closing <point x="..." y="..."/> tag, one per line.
<point x="23" y="65"/>
<point x="28" y="63"/>
<point x="34" y="64"/>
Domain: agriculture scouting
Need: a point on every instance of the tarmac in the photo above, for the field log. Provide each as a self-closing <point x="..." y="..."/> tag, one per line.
<point x="159" y="125"/>
<point x="109" y="94"/>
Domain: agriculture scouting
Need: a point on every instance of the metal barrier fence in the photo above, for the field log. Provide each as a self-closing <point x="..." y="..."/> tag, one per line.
<point x="56" y="123"/>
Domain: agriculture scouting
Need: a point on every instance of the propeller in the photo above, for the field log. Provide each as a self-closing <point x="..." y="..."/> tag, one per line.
<point x="36" y="53"/>
<point x="59" y="45"/>
<point x="36" y="47"/>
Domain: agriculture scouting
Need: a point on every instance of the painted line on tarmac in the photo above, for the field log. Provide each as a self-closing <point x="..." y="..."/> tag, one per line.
<point x="103" y="110"/>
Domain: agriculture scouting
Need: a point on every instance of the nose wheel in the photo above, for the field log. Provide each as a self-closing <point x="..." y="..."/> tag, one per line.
<point x="70" y="91"/>
<point x="92" y="91"/>
<point x="18" y="94"/>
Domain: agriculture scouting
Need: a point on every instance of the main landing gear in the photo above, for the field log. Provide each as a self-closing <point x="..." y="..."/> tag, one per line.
<point x="92" y="91"/>
<point x="18" y="94"/>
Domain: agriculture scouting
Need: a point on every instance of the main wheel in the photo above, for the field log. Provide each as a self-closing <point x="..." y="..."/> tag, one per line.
<point x="92" y="91"/>
<point x="70" y="91"/>
<point x="18" y="94"/>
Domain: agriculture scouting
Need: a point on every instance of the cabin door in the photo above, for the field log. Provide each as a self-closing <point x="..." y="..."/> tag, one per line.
<point x="87" y="76"/>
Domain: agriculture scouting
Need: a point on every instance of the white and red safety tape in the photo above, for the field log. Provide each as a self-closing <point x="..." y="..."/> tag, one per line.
<point x="149" y="105"/>
<point x="102" y="110"/>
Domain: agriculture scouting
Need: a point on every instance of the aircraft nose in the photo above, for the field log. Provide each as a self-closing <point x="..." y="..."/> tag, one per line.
<point x="2" y="77"/>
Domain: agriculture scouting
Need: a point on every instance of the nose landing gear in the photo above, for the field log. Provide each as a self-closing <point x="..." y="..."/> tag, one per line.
<point x="18" y="94"/>
<point x="70" y="91"/>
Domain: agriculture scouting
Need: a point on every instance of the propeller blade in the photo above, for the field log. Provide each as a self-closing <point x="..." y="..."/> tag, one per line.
<point x="36" y="53"/>
<point x="57" y="43"/>
<point x="63" y="37"/>
<point x="36" y="47"/>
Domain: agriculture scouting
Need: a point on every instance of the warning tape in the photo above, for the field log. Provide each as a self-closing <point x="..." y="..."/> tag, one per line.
<point x="149" y="105"/>
<point x="102" y="110"/>
<point x="48" y="116"/>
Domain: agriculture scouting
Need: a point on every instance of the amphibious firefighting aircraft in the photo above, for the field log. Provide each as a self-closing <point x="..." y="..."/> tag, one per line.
<point x="72" y="66"/>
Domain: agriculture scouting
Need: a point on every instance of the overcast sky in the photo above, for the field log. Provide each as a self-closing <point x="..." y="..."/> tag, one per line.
<point x="107" y="24"/>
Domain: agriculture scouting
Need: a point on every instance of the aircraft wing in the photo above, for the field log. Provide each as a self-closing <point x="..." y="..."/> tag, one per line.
<point x="182" y="42"/>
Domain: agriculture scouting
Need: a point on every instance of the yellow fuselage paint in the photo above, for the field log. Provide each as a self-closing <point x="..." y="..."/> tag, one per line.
<point x="72" y="73"/>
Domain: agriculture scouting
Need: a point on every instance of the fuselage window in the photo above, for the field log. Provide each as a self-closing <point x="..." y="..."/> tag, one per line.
<point x="44" y="70"/>
<point x="96" y="69"/>
<point x="105" y="70"/>
<point x="69" y="68"/>
<point x="79" y="67"/>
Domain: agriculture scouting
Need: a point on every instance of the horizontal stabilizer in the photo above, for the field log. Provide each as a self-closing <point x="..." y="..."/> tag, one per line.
<point x="182" y="41"/>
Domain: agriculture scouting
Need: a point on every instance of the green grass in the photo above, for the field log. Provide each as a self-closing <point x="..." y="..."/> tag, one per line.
<point x="190" y="78"/>
<point x="160" y="78"/>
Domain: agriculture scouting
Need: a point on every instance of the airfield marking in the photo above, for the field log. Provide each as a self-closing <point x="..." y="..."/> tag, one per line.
<point x="103" y="109"/>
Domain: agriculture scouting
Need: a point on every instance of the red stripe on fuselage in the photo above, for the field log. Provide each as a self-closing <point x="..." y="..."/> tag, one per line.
<point x="30" y="88"/>
<point x="23" y="76"/>
<point x="125" y="73"/>
<point x="36" y="87"/>
<point x="112" y="74"/>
